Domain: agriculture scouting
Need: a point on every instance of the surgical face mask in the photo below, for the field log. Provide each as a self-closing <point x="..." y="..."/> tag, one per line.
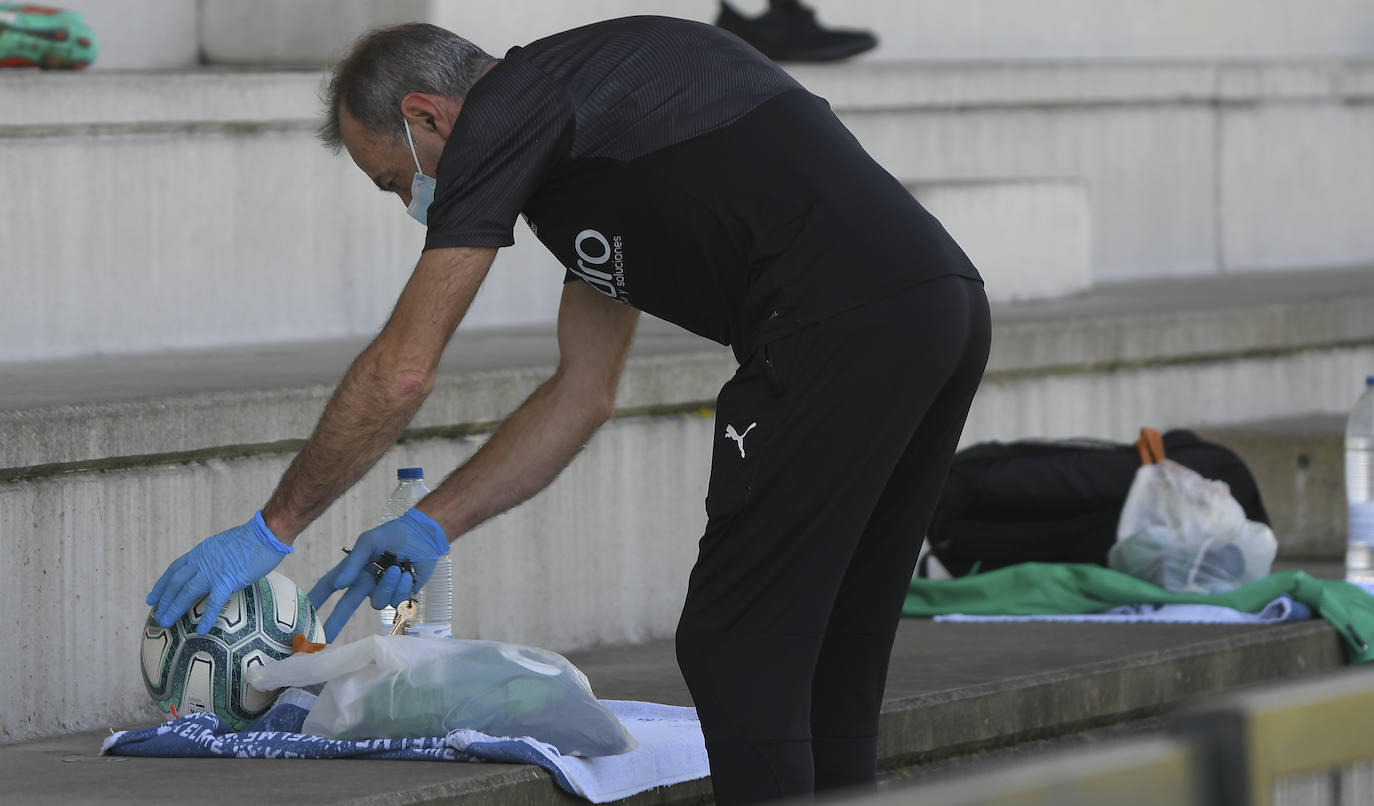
<point x="421" y="187"/>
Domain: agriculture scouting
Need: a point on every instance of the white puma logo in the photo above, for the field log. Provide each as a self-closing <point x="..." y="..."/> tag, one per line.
<point x="738" y="437"/>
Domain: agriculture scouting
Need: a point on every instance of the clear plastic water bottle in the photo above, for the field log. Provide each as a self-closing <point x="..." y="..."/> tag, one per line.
<point x="1359" y="488"/>
<point x="435" y="601"/>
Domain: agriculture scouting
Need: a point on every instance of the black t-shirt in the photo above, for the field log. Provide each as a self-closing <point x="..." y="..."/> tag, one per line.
<point x="674" y="168"/>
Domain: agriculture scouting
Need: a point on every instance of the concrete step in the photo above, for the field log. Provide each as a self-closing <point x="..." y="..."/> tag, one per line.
<point x="1141" y="170"/>
<point x="953" y="690"/>
<point x="111" y="467"/>
<point x="1305" y="334"/>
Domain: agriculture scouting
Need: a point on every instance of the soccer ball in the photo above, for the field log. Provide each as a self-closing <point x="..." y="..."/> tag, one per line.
<point x="186" y="672"/>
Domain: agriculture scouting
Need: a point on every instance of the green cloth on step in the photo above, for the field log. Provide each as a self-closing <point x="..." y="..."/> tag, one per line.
<point x="1054" y="588"/>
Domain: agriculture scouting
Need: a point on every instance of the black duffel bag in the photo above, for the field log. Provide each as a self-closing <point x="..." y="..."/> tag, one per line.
<point x="1059" y="501"/>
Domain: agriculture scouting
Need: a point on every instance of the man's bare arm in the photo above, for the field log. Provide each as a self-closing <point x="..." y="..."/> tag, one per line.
<point x="543" y="435"/>
<point x="381" y="391"/>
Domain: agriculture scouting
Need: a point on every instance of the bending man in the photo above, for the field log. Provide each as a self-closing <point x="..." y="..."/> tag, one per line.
<point x="673" y="169"/>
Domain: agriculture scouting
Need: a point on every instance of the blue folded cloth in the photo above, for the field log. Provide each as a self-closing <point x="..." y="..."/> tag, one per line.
<point x="1283" y="608"/>
<point x="671" y="749"/>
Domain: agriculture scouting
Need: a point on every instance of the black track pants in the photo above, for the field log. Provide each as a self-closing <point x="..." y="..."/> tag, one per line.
<point x="832" y="445"/>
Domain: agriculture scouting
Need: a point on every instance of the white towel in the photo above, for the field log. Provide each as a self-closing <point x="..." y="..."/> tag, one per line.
<point x="671" y="750"/>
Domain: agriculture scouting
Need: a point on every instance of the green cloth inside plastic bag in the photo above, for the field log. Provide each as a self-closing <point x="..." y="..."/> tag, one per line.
<point x="1058" y="588"/>
<point x="393" y="686"/>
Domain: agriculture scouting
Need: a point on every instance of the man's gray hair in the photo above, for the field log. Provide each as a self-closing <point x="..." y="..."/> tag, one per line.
<point x="387" y="65"/>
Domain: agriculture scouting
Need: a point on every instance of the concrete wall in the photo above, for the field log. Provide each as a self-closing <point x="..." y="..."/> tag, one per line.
<point x="1190" y="171"/>
<point x="263" y="31"/>
<point x="1291" y="177"/>
<point x="142" y="34"/>
<point x="1118" y="29"/>
<point x="177" y="211"/>
<point x="301" y="32"/>
<point x="1029" y="239"/>
<point x="187" y="241"/>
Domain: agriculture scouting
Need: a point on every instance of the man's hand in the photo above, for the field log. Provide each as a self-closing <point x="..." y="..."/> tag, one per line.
<point x="220" y="565"/>
<point x="413" y="538"/>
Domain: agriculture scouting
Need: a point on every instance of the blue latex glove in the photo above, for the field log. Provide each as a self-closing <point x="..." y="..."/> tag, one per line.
<point x="413" y="537"/>
<point x="220" y="565"/>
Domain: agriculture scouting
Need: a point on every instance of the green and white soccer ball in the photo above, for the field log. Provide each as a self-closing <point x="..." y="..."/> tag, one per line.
<point x="191" y="672"/>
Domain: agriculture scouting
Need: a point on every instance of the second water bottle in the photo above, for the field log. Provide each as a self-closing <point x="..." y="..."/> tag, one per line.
<point x="435" y="599"/>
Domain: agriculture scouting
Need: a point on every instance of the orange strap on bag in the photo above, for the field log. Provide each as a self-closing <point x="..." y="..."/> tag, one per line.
<point x="1150" y="445"/>
<point x="299" y="644"/>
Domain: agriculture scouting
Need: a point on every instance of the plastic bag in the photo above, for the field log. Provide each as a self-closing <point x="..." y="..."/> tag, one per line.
<point x="1187" y="533"/>
<point x="391" y="686"/>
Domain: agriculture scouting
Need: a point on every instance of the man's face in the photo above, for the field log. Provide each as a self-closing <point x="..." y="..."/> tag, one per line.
<point x="389" y="164"/>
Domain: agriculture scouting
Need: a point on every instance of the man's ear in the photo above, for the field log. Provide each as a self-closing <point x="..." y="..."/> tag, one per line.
<point x="432" y="112"/>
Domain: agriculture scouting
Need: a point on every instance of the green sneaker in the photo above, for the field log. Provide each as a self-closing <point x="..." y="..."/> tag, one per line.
<point x="50" y="38"/>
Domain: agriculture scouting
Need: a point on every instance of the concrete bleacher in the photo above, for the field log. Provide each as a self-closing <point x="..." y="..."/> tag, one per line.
<point x="1173" y="234"/>
<point x="166" y="352"/>
<point x="207" y="217"/>
<point x="132" y="459"/>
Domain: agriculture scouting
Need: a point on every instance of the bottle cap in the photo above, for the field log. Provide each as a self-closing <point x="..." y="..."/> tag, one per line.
<point x="410" y="473"/>
<point x="1369" y="380"/>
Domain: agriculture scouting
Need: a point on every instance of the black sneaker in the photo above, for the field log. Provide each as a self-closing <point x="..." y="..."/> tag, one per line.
<point x="788" y="32"/>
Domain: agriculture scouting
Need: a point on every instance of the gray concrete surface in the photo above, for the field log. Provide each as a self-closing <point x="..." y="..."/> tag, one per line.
<point x="1186" y="319"/>
<point x="95" y="409"/>
<point x="88" y="409"/>
<point x="952" y="689"/>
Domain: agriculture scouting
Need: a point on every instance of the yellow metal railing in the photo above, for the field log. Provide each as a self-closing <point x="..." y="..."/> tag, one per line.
<point x="1234" y="750"/>
<point x="1256" y="738"/>
<point x="1157" y="771"/>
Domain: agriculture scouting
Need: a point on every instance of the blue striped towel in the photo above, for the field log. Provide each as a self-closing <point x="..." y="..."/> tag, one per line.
<point x="671" y="749"/>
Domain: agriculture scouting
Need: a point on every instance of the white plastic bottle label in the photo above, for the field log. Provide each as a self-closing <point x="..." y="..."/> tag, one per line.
<point x="1361" y="522"/>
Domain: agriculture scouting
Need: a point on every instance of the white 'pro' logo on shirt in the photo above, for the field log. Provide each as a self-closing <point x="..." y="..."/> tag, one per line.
<point x="594" y="252"/>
